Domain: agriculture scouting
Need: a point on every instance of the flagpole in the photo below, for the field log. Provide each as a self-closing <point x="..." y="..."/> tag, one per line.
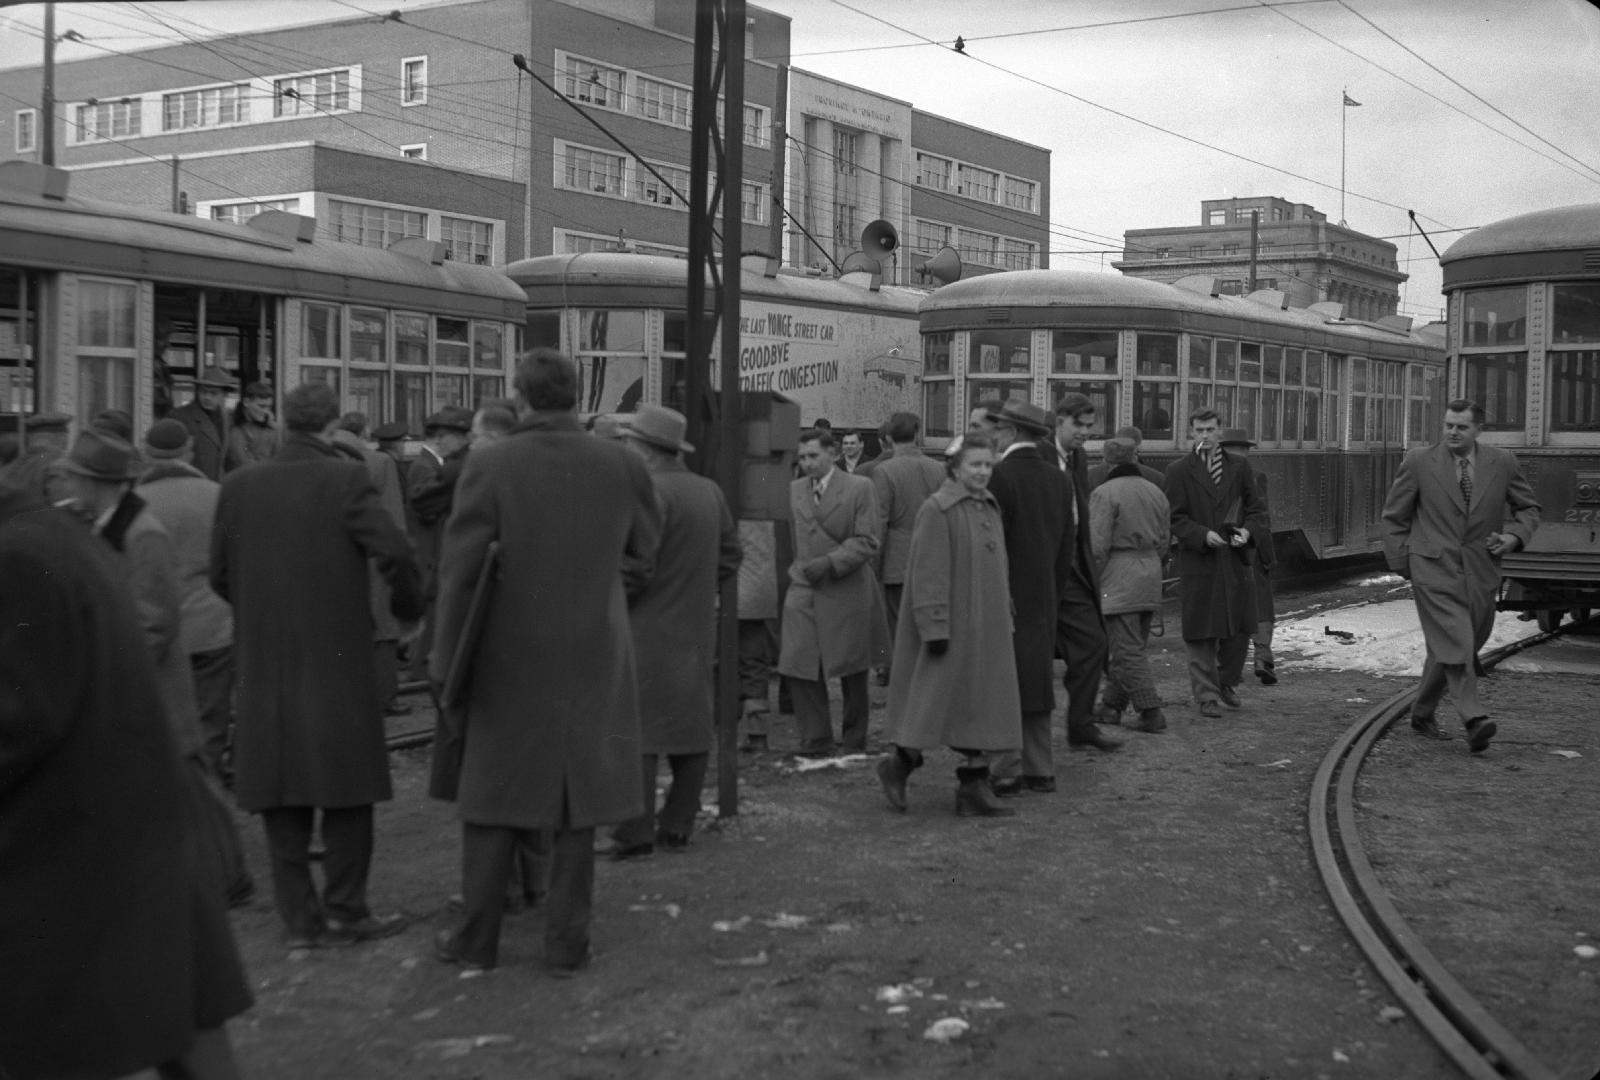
<point x="1344" y="96"/>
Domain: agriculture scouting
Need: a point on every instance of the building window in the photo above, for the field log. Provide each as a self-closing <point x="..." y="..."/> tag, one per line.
<point x="1018" y="254"/>
<point x="1020" y="193"/>
<point x="241" y="212"/>
<point x="934" y="172"/>
<point x="1216" y="217"/>
<point x="109" y="120"/>
<point x="753" y="203"/>
<point x="27" y="131"/>
<point x="663" y="101"/>
<point x="756" y="131"/>
<point x="415" y="151"/>
<point x="647" y="188"/>
<point x="980" y="247"/>
<point x="373" y="226"/>
<point x="929" y="235"/>
<point x="584" y="169"/>
<point x="467" y="241"/>
<point x="980" y="184"/>
<point x="211" y="107"/>
<point x="414" y="80"/>
<point x="846" y="151"/>
<point x="307" y="95"/>
<point x="1230" y="249"/>
<point x="592" y="83"/>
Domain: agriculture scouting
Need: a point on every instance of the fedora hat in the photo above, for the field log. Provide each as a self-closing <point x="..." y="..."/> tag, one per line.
<point x="166" y="439"/>
<point x="1235" y="436"/>
<point x="659" y="426"/>
<point x="451" y="418"/>
<point x="1025" y="415"/>
<point x="394" y="429"/>
<point x="101" y="455"/>
<point x="215" y="377"/>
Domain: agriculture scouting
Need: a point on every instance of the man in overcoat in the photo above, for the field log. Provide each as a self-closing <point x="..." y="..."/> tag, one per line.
<point x="903" y="479"/>
<point x="1236" y="442"/>
<point x="1455" y="509"/>
<point x="551" y="738"/>
<point x="1216" y="515"/>
<point x="289" y="551"/>
<point x="114" y="942"/>
<point x="208" y="423"/>
<point x="675" y="632"/>
<point x="1080" y="626"/>
<point x="1035" y="500"/>
<point x="833" y="621"/>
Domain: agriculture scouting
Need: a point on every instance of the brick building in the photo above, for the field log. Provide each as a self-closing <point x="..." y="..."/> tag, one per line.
<point x="1298" y="253"/>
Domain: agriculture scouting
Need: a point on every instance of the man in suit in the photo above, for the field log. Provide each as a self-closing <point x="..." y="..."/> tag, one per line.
<point x="1216" y="515"/>
<point x="833" y="620"/>
<point x="208" y="425"/>
<point x="1456" y="507"/>
<point x="289" y="550"/>
<point x="1035" y="500"/>
<point x="1080" y="626"/>
<point x="902" y="481"/>
<point x="551" y="708"/>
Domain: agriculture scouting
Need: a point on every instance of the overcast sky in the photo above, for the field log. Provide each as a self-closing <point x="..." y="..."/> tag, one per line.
<point x="1150" y="106"/>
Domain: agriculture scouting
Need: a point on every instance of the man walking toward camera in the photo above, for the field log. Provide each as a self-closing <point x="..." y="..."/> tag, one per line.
<point x="1455" y="509"/>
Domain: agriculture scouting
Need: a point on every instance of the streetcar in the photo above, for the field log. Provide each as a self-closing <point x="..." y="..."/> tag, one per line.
<point x="1524" y="342"/>
<point x="844" y="349"/>
<point x="1332" y="402"/>
<point x="104" y="306"/>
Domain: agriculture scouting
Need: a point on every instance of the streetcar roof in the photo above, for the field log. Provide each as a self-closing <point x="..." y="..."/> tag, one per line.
<point x="1115" y="300"/>
<point x="43" y="232"/>
<point x="1560" y="242"/>
<point x="620" y="279"/>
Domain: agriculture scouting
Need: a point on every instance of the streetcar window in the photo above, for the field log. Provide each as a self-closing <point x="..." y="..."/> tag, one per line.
<point x="1199" y="357"/>
<point x="107" y="334"/>
<point x="938" y="408"/>
<point x="1495" y="317"/>
<point x="451" y="344"/>
<point x="1358" y="400"/>
<point x="1272" y="364"/>
<point x="1247" y="409"/>
<point x="1577" y="318"/>
<point x="1227" y="361"/>
<point x="1311" y="425"/>
<point x="1249" y="362"/>
<point x="411" y="399"/>
<point x="369" y="334"/>
<point x="367" y="394"/>
<point x="1294" y="364"/>
<point x="1156" y="354"/>
<point x="1498" y="382"/>
<point x="320" y="332"/>
<point x="320" y="373"/>
<point x="544" y="329"/>
<point x="104" y="382"/>
<point x="1152" y="408"/>
<point x="936" y="353"/>
<point x="1103" y="392"/>
<point x="1574" y="391"/>
<point x="1292" y="397"/>
<point x="1313" y="368"/>
<point x="487" y="341"/>
<point x="450" y="390"/>
<point x="1270" y="403"/>
<point x="605" y="330"/>
<point x="999" y="352"/>
<point x="1224" y="404"/>
<point x="410" y="339"/>
<point x="1076" y="353"/>
<point x="105" y="314"/>
<point x="487" y="387"/>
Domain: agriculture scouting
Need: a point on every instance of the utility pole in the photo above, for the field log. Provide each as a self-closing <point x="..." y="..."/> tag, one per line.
<point x="1255" y="250"/>
<point x="47" y="91"/>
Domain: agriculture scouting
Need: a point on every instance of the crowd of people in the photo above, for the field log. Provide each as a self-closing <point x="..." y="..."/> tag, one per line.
<point x="233" y="609"/>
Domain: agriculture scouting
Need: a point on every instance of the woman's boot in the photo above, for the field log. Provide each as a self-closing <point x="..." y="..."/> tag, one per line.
<point x="973" y="797"/>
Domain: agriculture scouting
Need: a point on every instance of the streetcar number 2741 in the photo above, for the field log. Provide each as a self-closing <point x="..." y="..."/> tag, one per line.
<point x="1582" y="517"/>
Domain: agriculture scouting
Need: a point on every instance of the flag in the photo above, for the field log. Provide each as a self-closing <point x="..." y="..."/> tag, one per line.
<point x="1350" y="102"/>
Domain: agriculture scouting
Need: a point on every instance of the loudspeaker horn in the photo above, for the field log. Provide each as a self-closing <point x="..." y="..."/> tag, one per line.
<point x="859" y="262"/>
<point x="943" y="266"/>
<point x="879" y="238"/>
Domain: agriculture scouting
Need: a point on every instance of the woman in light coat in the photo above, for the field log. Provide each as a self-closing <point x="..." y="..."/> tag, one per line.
<point x="954" y="677"/>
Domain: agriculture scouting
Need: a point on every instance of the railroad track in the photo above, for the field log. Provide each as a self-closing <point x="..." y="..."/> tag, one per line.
<point x="420" y="736"/>
<point x="1478" y="1045"/>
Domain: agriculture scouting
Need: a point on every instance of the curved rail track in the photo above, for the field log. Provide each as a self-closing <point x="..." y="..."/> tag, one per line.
<point x="1478" y="1045"/>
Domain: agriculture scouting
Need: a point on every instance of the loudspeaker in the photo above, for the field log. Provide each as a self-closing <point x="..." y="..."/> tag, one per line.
<point x="860" y="262"/>
<point x="879" y="238"/>
<point x="944" y="266"/>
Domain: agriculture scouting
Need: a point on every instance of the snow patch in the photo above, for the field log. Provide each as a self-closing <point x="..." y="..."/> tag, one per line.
<point x="1383" y="639"/>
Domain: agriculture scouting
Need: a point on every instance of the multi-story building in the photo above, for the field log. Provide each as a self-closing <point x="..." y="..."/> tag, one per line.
<point x="856" y="157"/>
<point x="421" y="123"/>
<point x="1298" y="252"/>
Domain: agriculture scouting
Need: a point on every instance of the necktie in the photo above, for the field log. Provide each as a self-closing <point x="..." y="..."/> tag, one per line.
<point x="1466" y="482"/>
<point x="816" y="493"/>
<point x="1214" y="463"/>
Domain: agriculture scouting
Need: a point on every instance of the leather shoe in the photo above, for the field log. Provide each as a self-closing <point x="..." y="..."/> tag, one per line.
<point x="1480" y="729"/>
<point x="623" y="852"/>
<point x="1212" y="709"/>
<point x="339" y="932"/>
<point x="1428" y="728"/>
<point x="1043" y="785"/>
<point x="1267" y="676"/>
<point x="1095" y="738"/>
<point x="1008" y="788"/>
<point x="1230" y="697"/>
<point x="447" y="950"/>
<point x="892" y="775"/>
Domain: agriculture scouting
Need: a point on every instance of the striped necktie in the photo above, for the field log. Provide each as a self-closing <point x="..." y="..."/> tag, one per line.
<point x="1466" y="481"/>
<point x="1214" y="463"/>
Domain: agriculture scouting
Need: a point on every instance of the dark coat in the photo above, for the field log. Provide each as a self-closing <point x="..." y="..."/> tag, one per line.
<point x="249" y="442"/>
<point x="955" y="591"/>
<point x="1214" y="583"/>
<point x="290" y="552"/>
<point x="430" y="496"/>
<point x="903" y="481"/>
<point x="1431" y="536"/>
<point x="385" y="477"/>
<point x="1076" y="464"/>
<point x="1266" y="557"/>
<point x="213" y="449"/>
<point x="114" y="949"/>
<point x="551" y="707"/>
<point x="1034" y="497"/>
<point x="675" y="617"/>
<point x="837" y="626"/>
<point x="186" y="505"/>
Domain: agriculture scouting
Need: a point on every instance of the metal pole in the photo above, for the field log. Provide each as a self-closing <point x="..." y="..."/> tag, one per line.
<point x="780" y="155"/>
<point x="1255" y="249"/>
<point x="1343" y="109"/>
<point x="47" y="91"/>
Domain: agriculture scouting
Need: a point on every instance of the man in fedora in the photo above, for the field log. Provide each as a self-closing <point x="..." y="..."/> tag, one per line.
<point x="675" y="631"/>
<point x="430" y="495"/>
<point x="1035" y="500"/>
<point x="34" y="466"/>
<point x="289" y="550"/>
<point x="833" y="619"/>
<point x="1237" y="444"/>
<point x="1099" y="472"/>
<point x="208" y="425"/>
<point x="1216" y="516"/>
